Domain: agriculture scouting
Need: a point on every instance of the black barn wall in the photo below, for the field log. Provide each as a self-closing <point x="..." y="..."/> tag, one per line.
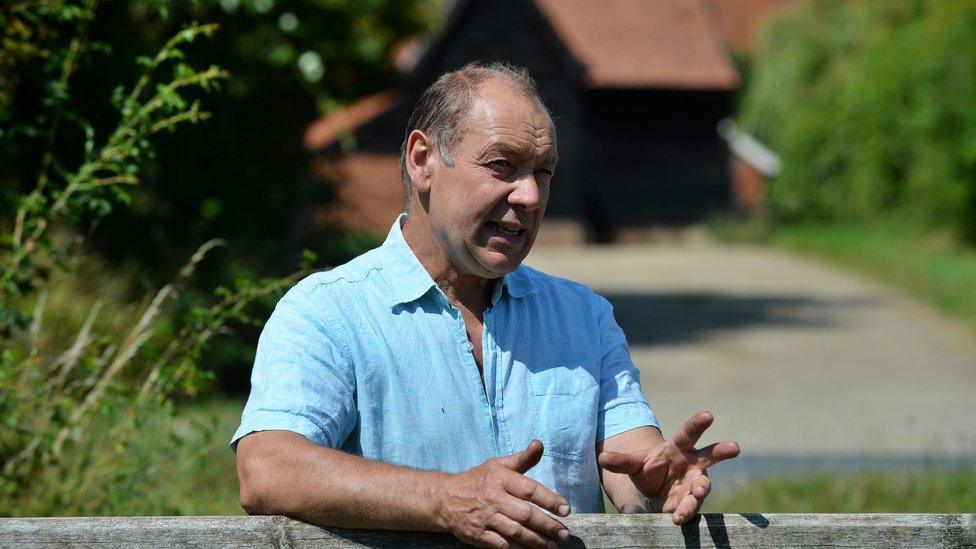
<point x="654" y="157"/>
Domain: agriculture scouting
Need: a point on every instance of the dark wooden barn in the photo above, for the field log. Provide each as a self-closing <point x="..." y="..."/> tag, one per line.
<point x="637" y="88"/>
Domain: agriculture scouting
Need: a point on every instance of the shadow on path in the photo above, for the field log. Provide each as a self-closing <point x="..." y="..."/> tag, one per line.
<point x="680" y="317"/>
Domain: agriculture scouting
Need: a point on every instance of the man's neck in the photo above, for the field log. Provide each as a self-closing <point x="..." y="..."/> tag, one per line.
<point x="471" y="291"/>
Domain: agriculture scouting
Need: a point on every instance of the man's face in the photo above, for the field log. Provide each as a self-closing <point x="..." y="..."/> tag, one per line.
<point x="486" y="210"/>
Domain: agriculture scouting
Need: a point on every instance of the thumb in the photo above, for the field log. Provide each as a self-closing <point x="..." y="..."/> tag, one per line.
<point x="520" y="462"/>
<point x="615" y="462"/>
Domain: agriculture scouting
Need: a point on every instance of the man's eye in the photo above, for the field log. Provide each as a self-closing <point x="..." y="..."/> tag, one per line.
<point x="544" y="171"/>
<point x="500" y="165"/>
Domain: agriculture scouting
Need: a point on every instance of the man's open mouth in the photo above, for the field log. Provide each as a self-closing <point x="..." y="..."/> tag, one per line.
<point x="495" y="226"/>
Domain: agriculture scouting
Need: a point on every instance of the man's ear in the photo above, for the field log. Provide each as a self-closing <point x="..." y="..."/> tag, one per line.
<point x="419" y="159"/>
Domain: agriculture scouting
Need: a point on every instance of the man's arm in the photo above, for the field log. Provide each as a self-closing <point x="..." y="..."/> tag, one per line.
<point x="618" y="486"/>
<point x="642" y="472"/>
<point x="281" y="472"/>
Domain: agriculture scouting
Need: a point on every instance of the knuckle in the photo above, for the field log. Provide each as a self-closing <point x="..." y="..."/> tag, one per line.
<point x="486" y="539"/>
<point x="552" y="528"/>
<point x="493" y="494"/>
<point x="510" y="529"/>
<point x="525" y="487"/>
<point x="523" y="513"/>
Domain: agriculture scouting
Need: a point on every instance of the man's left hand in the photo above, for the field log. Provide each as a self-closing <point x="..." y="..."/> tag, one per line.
<point x="673" y="474"/>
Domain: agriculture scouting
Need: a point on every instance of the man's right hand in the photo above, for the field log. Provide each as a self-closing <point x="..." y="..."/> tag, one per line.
<point x="494" y="504"/>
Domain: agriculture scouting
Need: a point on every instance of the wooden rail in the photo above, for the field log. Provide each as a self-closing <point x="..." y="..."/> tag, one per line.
<point x="746" y="530"/>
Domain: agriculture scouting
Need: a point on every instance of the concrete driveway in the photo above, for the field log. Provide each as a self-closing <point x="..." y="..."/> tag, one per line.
<point x="806" y="366"/>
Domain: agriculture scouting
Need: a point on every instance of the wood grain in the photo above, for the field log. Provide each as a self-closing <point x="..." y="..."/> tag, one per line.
<point x="710" y="530"/>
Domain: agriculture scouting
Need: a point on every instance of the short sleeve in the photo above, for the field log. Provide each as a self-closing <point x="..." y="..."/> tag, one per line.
<point x="303" y="380"/>
<point x="622" y="404"/>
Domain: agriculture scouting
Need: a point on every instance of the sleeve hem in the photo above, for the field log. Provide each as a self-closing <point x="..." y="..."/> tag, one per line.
<point x="625" y="417"/>
<point x="274" y="420"/>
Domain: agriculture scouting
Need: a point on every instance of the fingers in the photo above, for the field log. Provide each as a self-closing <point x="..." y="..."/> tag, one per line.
<point x="520" y="462"/>
<point x="701" y="487"/>
<point x="686" y="509"/>
<point x="512" y="530"/>
<point x="496" y="505"/>
<point x="529" y="490"/>
<point x="531" y="517"/>
<point x="689" y="433"/>
<point x="616" y="462"/>
<point x="690" y="501"/>
<point x="714" y="453"/>
<point x="489" y="538"/>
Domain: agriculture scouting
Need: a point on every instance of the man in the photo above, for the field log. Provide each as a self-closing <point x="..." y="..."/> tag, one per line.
<point x="434" y="383"/>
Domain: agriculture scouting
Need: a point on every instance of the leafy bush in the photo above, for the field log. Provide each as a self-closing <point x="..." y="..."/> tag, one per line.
<point x="245" y="174"/>
<point x="74" y="395"/>
<point x="872" y="106"/>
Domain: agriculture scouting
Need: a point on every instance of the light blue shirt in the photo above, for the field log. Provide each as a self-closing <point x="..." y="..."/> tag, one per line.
<point x="372" y="359"/>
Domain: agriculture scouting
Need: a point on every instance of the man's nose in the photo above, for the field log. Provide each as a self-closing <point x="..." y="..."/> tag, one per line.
<point x="526" y="192"/>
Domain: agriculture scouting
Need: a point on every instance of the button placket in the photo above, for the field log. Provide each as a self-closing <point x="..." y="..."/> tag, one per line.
<point x="494" y="364"/>
<point x="465" y="353"/>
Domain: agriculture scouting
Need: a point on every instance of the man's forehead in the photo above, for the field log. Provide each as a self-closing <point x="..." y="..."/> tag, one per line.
<point x="544" y="147"/>
<point x="512" y="108"/>
<point x="511" y="125"/>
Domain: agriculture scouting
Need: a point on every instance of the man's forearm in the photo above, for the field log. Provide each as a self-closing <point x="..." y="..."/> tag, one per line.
<point x="283" y="473"/>
<point x="626" y="498"/>
<point x="619" y="487"/>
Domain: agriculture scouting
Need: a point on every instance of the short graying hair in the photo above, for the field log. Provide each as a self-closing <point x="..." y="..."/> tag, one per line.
<point x="442" y="108"/>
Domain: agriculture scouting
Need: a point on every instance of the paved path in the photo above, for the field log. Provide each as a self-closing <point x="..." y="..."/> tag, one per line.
<point x="797" y="360"/>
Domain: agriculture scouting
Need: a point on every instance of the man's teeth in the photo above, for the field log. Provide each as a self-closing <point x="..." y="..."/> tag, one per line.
<point x="506" y="230"/>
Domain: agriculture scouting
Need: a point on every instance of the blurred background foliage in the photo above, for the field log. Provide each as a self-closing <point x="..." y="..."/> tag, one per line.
<point x="872" y="107"/>
<point x="244" y="175"/>
<point x="131" y="134"/>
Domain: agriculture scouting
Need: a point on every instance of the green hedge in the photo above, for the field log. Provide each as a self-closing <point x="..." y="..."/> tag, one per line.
<point x="872" y="106"/>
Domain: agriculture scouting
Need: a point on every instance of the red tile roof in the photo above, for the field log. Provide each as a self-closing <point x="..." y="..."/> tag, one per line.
<point x="670" y="44"/>
<point x="740" y="20"/>
<point x="327" y="129"/>
<point x="644" y="43"/>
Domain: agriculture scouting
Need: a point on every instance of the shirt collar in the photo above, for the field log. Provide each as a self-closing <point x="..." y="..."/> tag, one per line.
<point x="408" y="280"/>
<point x="518" y="283"/>
<point x="406" y="277"/>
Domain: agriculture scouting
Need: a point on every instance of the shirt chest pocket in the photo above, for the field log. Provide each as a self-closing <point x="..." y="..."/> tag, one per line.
<point x="564" y="401"/>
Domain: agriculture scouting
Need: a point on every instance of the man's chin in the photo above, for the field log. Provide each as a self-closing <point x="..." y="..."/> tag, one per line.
<point x="500" y="263"/>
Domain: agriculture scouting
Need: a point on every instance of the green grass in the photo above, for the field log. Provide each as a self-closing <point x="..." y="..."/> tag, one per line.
<point x="191" y="473"/>
<point x="929" y="492"/>
<point x="930" y="266"/>
<point x="201" y="475"/>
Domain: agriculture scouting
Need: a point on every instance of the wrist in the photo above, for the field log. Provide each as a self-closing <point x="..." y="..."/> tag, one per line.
<point x="632" y="500"/>
<point x="436" y="501"/>
<point x="638" y="504"/>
